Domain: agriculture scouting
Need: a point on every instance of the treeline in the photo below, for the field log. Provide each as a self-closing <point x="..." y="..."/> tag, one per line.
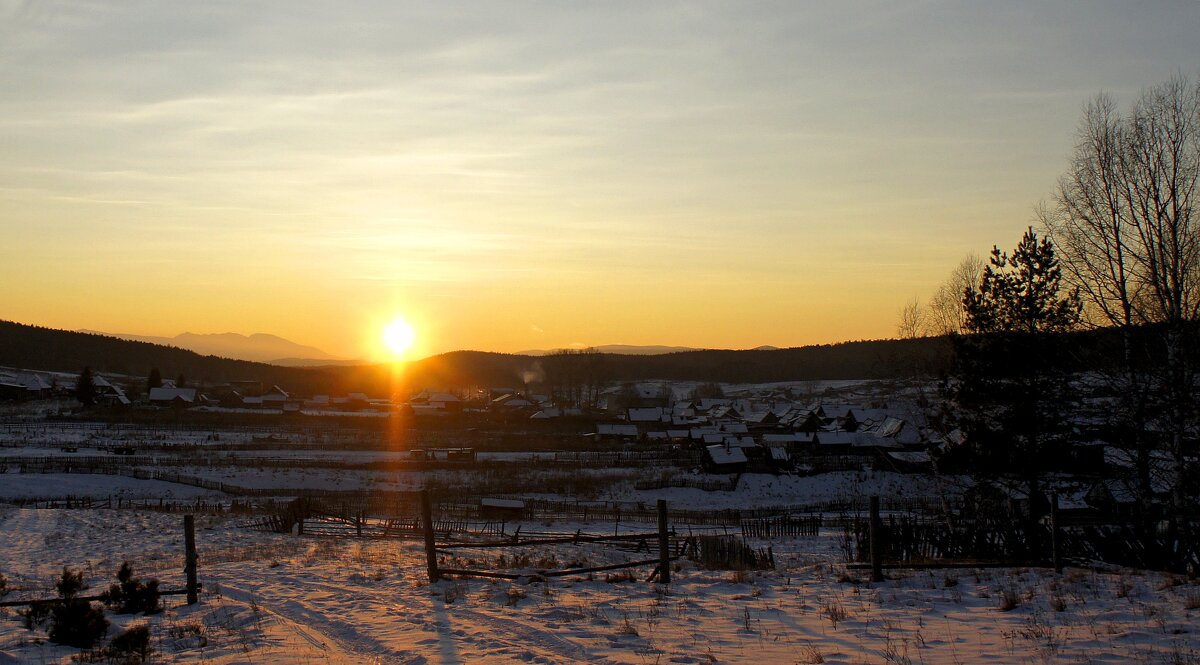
<point x="47" y="349"/>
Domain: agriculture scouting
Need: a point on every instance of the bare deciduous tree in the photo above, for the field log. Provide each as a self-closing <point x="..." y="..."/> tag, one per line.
<point x="1123" y="217"/>
<point x="912" y="320"/>
<point x="943" y="314"/>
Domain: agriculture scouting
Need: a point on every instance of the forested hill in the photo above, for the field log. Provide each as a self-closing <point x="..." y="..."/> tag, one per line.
<point x="33" y="347"/>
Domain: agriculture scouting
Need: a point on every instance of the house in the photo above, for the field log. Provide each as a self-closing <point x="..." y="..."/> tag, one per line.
<point x="725" y="459"/>
<point x="654" y="414"/>
<point x="437" y="401"/>
<point x="839" y="417"/>
<point x="177" y="397"/>
<point x="909" y="461"/>
<point x="761" y="419"/>
<point x="24" y="385"/>
<point x="501" y="509"/>
<point x="110" y="395"/>
<point x="511" y="402"/>
<point x="617" y="430"/>
<point x="803" y="420"/>
<point x="274" y="398"/>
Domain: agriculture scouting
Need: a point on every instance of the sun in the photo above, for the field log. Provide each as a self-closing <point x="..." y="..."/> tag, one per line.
<point x="398" y="337"/>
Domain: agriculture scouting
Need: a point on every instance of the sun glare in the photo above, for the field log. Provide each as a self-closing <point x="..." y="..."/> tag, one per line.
<point x="398" y="337"/>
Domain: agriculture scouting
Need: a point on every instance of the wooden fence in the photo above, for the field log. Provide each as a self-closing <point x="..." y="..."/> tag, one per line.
<point x="662" y="564"/>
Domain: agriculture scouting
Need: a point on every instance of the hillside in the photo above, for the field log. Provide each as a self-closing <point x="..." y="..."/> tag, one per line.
<point x="39" y="348"/>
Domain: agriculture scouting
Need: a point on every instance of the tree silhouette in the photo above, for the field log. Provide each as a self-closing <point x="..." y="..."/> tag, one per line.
<point x="85" y="387"/>
<point x="154" y="380"/>
<point x="1010" y="389"/>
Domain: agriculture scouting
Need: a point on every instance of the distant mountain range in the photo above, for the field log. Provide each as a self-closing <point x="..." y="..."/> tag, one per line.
<point x="634" y="350"/>
<point x="259" y="347"/>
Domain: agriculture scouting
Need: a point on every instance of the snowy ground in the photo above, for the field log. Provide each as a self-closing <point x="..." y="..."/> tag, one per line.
<point x="77" y="485"/>
<point x="287" y="599"/>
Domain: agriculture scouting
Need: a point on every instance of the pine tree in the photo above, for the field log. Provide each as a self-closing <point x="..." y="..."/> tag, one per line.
<point x="85" y="387"/>
<point x="154" y="380"/>
<point x="1011" y="389"/>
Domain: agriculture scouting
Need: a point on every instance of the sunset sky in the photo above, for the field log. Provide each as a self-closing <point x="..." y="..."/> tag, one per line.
<point x="520" y="175"/>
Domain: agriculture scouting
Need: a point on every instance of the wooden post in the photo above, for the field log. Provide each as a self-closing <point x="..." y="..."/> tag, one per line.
<point x="1055" y="536"/>
<point x="876" y="541"/>
<point x="664" y="544"/>
<point x="191" y="559"/>
<point x="430" y="543"/>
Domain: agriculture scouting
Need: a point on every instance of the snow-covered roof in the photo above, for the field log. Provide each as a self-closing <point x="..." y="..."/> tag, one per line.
<point x="646" y="415"/>
<point x="914" y="457"/>
<point x="616" y="429"/>
<point x="836" y="410"/>
<point x="171" y="394"/>
<point x="721" y="454"/>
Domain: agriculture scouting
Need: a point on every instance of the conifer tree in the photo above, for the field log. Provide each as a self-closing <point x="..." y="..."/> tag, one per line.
<point x="85" y="387"/>
<point x="154" y="380"/>
<point x="1011" y="389"/>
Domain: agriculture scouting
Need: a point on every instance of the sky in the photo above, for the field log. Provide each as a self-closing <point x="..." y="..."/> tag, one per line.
<point x="519" y="175"/>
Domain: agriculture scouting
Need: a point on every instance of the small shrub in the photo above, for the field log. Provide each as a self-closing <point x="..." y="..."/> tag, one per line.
<point x="4" y="586"/>
<point x="949" y="582"/>
<point x="1192" y="601"/>
<point x="454" y="591"/>
<point x="621" y="576"/>
<point x="70" y="584"/>
<point x="73" y="622"/>
<point x="76" y="623"/>
<point x="810" y="654"/>
<point x="1009" y="600"/>
<point x="834" y="612"/>
<point x="514" y="595"/>
<point x="1124" y="586"/>
<point x="627" y="628"/>
<point x="132" y="595"/>
<point x="1170" y="581"/>
<point x="131" y="644"/>
<point x="1058" y="603"/>
<point x="35" y="617"/>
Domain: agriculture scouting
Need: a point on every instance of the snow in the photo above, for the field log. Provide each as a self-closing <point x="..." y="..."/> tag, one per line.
<point x="286" y="599"/>
<point x="59" y="485"/>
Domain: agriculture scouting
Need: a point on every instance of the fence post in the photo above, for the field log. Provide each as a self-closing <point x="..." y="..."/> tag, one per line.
<point x="664" y="544"/>
<point x="190" y="558"/>
<point x="430" y="546"/>
<point x="876" y="541"/>
<point x="1055" y="535"/>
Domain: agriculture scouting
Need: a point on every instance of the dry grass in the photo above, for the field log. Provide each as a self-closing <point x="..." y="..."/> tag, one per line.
<point x="1010" y="599"/>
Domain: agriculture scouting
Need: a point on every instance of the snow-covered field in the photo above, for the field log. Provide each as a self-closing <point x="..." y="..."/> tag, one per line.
<point x="272" y="598"/>
<point x="288" y="599"/>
